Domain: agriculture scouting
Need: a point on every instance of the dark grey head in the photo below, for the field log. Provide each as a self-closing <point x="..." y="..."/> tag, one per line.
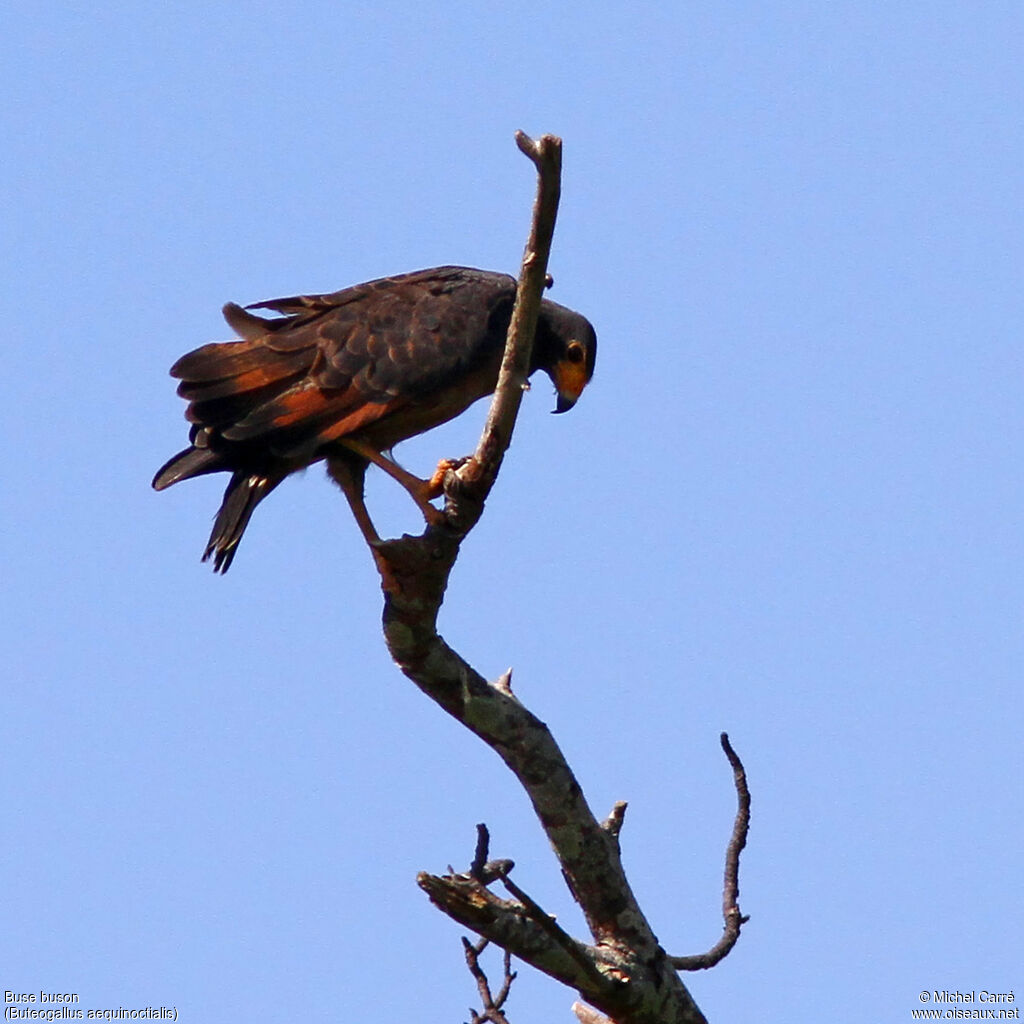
<point x="565" y="349"/>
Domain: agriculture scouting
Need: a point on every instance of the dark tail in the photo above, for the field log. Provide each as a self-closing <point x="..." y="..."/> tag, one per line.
<point x="243" y="494"/>
<point x="191" y="462"/>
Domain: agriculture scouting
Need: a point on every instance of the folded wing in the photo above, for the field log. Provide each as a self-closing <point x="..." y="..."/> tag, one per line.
<point x="334" y="364"/>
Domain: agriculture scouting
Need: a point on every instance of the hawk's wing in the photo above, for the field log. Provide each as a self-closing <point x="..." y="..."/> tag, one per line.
<point x="334" y="364"/>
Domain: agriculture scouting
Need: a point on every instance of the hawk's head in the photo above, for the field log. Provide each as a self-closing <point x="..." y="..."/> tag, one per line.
<point x="566" y="350"/>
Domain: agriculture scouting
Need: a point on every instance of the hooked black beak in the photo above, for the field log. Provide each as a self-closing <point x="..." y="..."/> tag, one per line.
<point x="570" y="378"/>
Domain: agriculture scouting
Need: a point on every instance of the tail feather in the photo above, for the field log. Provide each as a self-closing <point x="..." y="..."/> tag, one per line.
<point x="243" y="494"/>
<point x="189" y="463"/>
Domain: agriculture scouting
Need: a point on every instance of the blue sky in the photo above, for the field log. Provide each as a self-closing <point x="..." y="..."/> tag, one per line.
<point x="788" y="507"/>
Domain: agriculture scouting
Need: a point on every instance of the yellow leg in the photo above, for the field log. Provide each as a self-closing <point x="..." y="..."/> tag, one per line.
<point x="419" y="490"/>
<point x="350" y="479"/>
<point x="349" y="476"/>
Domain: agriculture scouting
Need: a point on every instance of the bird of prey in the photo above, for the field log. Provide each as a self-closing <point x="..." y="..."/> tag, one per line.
<point x="344" y="377"/>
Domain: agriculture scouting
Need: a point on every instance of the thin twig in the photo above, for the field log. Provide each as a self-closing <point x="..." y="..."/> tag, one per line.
<point x="492" y="1004"/>
<point x="506" y="983"/>
<point x="559" y="934"/>
<point x="734" y="920"/>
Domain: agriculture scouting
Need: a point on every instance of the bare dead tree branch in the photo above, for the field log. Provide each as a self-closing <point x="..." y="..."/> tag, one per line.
<point x="491" y="1004"/>
<point x="734" y="920"/>
<point x="483" y="870"/>
<point x="483" y="842"/>
<point x="506" y="923"/>
<point x="546" y="154"/>
<point x="625" y="973"/>
<point x="559" y="934"/>
<point x="509" y="977"/>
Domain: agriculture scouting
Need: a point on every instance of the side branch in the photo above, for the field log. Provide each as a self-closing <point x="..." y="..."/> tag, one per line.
<point x="492" y="1003"/>
<point x="511" y="925"/>
<point x="734" y="920"/>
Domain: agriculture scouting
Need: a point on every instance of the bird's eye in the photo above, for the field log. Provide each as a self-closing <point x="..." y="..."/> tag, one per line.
<point x="575" y="353"/>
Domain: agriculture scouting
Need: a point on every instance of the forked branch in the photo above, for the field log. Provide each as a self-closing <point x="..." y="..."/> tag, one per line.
<point x="492" y="1004"/>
